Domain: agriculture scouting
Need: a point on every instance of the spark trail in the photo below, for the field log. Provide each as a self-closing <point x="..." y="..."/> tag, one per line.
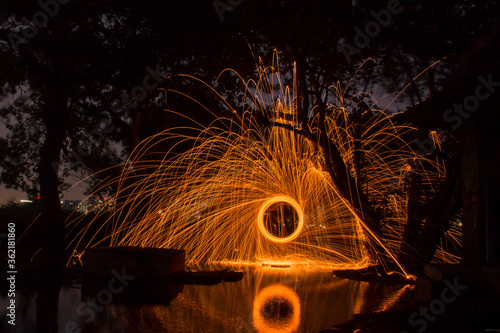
<point x="220" y="199"/>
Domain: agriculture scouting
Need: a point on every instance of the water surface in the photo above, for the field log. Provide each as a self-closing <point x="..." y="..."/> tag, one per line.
<point x="265" y="300"/>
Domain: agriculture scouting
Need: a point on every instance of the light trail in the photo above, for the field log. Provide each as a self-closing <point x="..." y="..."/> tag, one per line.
<point x="212" y="200"/>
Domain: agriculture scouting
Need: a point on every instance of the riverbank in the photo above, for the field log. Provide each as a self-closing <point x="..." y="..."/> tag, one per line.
<point x="446" y="299"/>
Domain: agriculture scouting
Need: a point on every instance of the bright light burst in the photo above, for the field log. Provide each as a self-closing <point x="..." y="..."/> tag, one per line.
<point x="264" y="229"/>
<point x="214" y="200"/>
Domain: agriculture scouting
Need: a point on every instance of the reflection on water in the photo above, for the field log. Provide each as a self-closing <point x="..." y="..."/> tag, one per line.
<point x="276" y="309"/>
<point x="265" y="300"/>
<point x="300" y="300"/>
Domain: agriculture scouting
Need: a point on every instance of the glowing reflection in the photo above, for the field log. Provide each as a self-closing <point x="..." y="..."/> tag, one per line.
<point x="276" y="309"/>
<point x="261" y="219"/>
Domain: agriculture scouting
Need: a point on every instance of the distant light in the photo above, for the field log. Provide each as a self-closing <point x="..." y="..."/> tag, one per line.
<point x="26" y="201"/>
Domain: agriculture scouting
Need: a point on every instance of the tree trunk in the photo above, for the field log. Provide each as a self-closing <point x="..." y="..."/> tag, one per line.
<point x="481" y="193"/>
<point x="441" y="211"/>
<point x="413" y="223"/>
<point x="51" y="216"/>
<point x="50" y="258"/>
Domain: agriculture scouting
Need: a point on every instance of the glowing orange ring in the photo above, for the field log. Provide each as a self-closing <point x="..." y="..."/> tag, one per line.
<point x="276" y="291"/>
<point x="265" y="206"/>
